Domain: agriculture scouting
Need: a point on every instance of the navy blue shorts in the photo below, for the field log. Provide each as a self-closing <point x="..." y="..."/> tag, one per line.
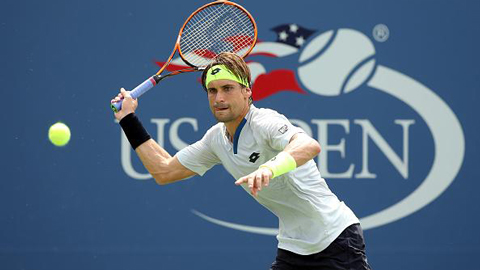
<point x="346" y="252"/>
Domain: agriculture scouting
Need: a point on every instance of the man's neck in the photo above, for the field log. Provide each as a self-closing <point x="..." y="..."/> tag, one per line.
<point x="233" y="125"/>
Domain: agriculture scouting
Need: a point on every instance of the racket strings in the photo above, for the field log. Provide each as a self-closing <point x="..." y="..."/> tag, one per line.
<point x="202" y="23"/>
<point x="219" y="41"/>
<point x="208" y="28"/>
<point x="216" y="29"/>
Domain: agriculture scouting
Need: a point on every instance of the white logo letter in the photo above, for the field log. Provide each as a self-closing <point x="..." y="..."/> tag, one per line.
<point x="323" y="139"/>
<point x="369" y="131"/>
<point x="174" y="138"/>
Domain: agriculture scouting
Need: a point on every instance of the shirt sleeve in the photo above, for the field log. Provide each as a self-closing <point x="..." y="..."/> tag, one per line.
<point x="199" y="157"/>
<point x="277" y="130"/>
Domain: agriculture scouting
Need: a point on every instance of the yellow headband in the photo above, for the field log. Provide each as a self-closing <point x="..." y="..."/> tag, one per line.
<point x="221" y="72"/>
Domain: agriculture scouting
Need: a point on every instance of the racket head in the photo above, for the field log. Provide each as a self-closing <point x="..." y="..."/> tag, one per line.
<point x="217" y="27"/>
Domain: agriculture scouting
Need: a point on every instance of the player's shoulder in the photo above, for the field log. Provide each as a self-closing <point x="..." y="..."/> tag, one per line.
<point x="260" y="113"/>
<point x="261" y="116"/>
<point x="214" y="131"/>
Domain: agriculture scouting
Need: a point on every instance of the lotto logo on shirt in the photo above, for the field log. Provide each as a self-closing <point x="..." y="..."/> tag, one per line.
<point x="253" y="157"/>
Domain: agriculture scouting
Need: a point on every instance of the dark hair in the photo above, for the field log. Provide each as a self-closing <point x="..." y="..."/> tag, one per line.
<point x="234" y="63"/>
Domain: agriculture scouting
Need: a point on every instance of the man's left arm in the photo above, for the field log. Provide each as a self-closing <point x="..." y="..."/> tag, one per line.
<point x="300" y="149"/>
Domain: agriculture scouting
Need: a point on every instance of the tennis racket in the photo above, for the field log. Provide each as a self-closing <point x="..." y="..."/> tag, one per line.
<point x="217" y="27"/>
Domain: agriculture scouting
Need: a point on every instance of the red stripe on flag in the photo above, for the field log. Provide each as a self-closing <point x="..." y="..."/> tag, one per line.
<point x="273" y="82"/>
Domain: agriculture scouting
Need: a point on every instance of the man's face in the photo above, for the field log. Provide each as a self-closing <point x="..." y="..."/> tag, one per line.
<point x="228" y="99"/>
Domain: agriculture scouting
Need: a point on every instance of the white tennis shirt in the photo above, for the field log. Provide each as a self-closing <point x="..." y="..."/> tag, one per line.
<point x="310" y="215"/>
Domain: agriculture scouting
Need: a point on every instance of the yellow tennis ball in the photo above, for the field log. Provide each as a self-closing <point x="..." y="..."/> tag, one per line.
<point x="59" y="134"/>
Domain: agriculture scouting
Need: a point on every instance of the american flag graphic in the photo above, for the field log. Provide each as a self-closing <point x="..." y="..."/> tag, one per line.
<point x="292" y="34"/>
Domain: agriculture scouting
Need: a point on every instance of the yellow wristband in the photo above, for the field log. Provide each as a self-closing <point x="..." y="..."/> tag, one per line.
<point x="280" y="164"/>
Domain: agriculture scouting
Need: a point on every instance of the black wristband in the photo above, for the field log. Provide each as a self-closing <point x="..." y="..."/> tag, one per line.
<point x="134" y="130"/>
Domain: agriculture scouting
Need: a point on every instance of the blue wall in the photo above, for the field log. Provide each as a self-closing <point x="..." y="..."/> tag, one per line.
<point x="395" y="115"/>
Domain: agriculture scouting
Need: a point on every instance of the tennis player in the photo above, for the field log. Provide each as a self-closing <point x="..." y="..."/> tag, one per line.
<point x="268" y="157"/>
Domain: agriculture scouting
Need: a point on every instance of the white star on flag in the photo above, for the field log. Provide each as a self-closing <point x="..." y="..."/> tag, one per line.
<point x="283" y="35"/>
<point x="293" y="28"/>
<point x="292" y="34"/>
<point x="299" y="41"/>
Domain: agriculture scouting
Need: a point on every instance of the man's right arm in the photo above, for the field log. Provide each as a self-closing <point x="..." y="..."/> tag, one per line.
<point x="159" y="163"/>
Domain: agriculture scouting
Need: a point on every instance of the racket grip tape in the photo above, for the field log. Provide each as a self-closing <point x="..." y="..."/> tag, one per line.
<point x="137" y="92"/>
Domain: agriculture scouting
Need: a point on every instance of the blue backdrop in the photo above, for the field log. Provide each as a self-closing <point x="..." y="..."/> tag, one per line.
<point x="389" y="88"/>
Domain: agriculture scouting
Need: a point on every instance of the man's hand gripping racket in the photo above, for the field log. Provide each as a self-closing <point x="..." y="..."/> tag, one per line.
<point x="217" y="27"/>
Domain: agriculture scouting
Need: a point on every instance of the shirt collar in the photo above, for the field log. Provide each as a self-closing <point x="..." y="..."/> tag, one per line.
<point x="239" y="129"/>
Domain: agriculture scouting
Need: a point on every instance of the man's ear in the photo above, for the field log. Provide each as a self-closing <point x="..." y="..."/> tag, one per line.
<point x="247" y="92"/>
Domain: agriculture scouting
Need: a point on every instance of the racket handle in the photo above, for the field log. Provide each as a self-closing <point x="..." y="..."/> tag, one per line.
<point x="137" y="92"/>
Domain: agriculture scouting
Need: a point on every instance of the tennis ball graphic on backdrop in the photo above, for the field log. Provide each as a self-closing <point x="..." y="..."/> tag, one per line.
<point x="331" y="65"/>
<point x="59" y="134"/>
